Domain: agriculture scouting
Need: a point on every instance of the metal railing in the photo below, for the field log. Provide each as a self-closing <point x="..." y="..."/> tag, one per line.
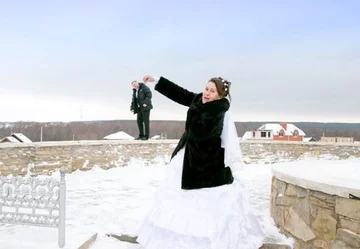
<point x="34" y="201"/>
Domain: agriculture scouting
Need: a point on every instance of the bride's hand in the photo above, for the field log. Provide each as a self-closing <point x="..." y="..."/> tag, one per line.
<point x="148" y="78"/>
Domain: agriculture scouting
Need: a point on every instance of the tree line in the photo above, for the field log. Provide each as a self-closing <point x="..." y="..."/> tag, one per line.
<point x="97" y="130"/>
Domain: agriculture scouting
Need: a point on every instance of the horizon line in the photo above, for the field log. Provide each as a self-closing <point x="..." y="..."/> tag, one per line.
<point x="180" y="120"/>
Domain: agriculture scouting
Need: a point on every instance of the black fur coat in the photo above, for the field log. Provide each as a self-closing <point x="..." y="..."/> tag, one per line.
<point x="203" y="165"/>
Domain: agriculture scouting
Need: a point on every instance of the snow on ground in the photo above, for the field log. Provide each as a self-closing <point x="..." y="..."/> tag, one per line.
<point x="116" y="200"/>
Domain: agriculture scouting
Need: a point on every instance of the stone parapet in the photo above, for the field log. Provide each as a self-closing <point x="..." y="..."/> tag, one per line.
<point x="319" y="212"/>
<point x="46" y="157"/>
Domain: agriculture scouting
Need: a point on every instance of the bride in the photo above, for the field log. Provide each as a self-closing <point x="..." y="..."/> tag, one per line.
<point x="200" y="204"/>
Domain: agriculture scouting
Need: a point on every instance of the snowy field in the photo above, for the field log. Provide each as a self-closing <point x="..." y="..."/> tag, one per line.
<point x="116" y="200"/>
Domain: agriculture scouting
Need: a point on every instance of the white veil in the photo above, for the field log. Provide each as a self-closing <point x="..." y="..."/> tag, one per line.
<point x="230" y="142"/>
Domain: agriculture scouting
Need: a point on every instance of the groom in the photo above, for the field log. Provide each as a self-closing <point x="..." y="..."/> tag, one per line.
<point x="141" y="105"/>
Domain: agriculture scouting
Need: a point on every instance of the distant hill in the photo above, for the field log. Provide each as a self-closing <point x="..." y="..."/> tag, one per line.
<point x="96" y="130"/>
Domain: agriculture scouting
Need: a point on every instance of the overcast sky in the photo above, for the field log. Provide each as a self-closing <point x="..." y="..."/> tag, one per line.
<point x="74" y="60"/>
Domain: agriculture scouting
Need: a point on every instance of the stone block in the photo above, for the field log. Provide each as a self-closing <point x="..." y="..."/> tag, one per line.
<point x="324" y="224"/>
<point x="338" y="244"/>
<point x="348" y="237"/>
<point x="348" y="208"/>
<point x="279" y="216"/>
<point x="321" y="203"/>
<point x="287" y="201"/>
<point x="301" y="192"/>
<point x="349" y="224"/>
<point x="298" y="227"/>
<point x="303" y="209"/>
<point x="320" y="244"/>
<point x="324" y="197"/>
<point x="291" y="190"/>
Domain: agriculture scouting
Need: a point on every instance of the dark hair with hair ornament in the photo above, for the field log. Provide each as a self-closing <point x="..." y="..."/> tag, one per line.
<point x="222" y="86"/>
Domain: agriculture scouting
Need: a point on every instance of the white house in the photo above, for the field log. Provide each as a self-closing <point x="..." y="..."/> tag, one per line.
<point x="282" y="131"/>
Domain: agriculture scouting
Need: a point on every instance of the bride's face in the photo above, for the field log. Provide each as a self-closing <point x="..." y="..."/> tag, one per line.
<point x="210" y="93"/>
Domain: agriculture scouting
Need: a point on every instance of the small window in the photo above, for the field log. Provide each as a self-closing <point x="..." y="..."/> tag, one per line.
<point x="281" y="133"/>
<point x="263" y="134"/>
<point x="296" y="133"/>
<point x="253" y="133"/>
<point x="269" y="135"/>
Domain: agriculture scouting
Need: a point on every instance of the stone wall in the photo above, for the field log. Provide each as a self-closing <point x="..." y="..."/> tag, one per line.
<point x="315" y="219"/>
<point x="46" y="157"/>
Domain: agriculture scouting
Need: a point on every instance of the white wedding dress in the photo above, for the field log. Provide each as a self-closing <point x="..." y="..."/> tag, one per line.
<point x="208" y="218"/>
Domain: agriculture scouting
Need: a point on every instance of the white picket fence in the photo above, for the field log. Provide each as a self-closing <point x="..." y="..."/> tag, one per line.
<point x="34" y="201"/>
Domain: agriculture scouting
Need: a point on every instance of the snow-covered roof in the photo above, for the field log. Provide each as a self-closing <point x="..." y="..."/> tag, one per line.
<point x="247" y="135"/>
<point x="307" y="139"/>
<point x="9" y="139"/>
<point x="21" y="137"/>
<point x="119" y="136"/>
<point x="16" y="138"/>
<point x="276" y="128"/>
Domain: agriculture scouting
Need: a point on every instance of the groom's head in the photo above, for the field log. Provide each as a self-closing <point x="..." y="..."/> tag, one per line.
<point x="135" y="84"/>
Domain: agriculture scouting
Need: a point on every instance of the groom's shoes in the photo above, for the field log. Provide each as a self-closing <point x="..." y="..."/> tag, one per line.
<point x="142" y="138"/>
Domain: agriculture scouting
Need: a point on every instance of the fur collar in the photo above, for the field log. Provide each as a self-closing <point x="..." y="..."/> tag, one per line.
<point x="213" y="107"/>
